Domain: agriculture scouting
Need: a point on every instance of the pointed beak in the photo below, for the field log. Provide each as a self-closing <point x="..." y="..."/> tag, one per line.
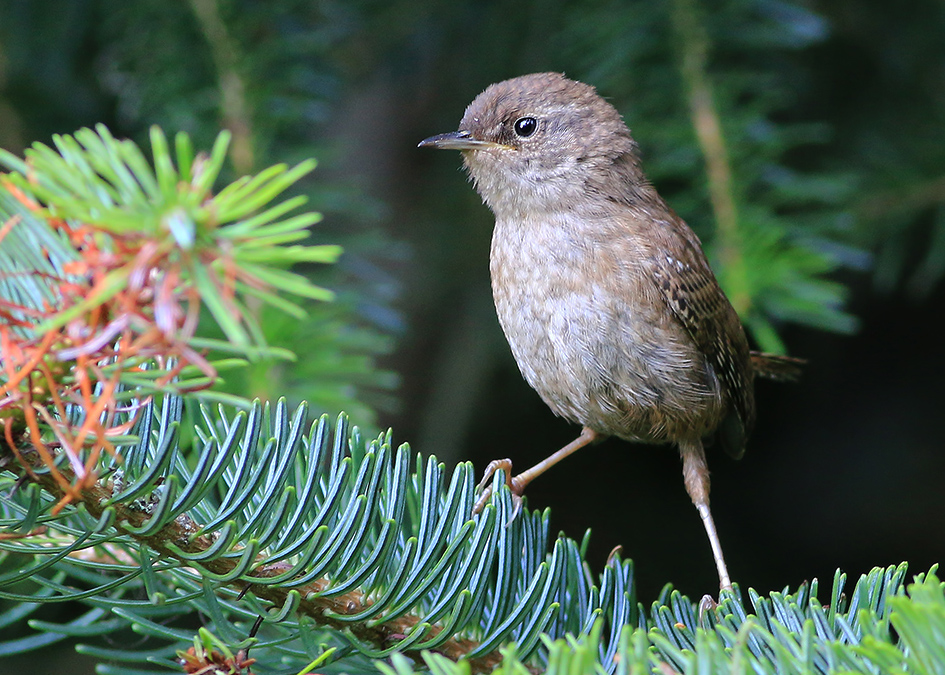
<point x="458" y="140"/>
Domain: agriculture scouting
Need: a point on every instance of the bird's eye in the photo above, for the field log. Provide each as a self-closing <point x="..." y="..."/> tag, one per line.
<point x="525" y="126"/>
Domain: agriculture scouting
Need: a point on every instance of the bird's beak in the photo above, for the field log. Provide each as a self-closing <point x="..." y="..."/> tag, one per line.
<point x="457" y="140"/>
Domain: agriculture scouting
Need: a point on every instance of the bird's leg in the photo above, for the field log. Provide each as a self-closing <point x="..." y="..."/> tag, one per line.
<point x="696" y="476"/>
<point x="517" y="483"/>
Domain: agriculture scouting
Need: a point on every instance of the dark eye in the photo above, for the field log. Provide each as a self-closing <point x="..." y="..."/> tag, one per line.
<point x="525" y="126"/>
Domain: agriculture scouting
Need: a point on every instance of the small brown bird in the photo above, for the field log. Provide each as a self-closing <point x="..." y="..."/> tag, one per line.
<point x="604" y="294"/>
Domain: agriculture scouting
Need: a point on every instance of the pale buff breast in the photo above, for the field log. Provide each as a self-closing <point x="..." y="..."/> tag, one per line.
<point x="596" y="357"/>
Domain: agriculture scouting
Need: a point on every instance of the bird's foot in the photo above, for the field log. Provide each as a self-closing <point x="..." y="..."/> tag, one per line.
<point x="515" y="483"/>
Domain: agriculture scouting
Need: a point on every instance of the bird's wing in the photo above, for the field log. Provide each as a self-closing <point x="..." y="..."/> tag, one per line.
<point x="692" y="293"/>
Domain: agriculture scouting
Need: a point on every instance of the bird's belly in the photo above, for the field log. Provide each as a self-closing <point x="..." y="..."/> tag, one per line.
<point x="595" y="352"/>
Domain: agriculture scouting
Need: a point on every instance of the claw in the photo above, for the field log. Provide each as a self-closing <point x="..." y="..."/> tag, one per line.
<point x="495" y="465"/>
<point x="707" y="604"/>
<point x="515" y="486"/>
<point x="483" y="500"/>
<point x="516" y="507"/>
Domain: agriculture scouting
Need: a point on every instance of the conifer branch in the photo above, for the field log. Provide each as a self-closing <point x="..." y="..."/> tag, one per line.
<point x="181" y="531"/>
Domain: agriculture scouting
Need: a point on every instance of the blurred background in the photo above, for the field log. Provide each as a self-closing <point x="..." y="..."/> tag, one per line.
<point x="833" y="116"/>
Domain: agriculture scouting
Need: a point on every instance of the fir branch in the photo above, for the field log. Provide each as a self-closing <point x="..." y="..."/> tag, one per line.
<point x="601" y="631"/>
<point x="183" y="533"/>
<point x="251" y="512"/>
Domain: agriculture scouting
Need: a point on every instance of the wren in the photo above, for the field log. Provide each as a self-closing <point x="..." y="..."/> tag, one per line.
<point x="605" y="295"/>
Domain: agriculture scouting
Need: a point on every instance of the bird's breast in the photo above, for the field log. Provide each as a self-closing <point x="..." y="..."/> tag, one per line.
<point x="587" y="330"/>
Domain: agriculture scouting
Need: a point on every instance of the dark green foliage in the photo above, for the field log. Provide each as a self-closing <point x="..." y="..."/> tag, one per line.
<point x="338" y="371"/>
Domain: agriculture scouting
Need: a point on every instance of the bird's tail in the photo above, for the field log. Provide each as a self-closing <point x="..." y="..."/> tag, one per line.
<point x="776" y="367"/>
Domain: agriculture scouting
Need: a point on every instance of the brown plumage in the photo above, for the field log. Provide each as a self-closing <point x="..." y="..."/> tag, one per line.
<point x="604" y="294"/>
